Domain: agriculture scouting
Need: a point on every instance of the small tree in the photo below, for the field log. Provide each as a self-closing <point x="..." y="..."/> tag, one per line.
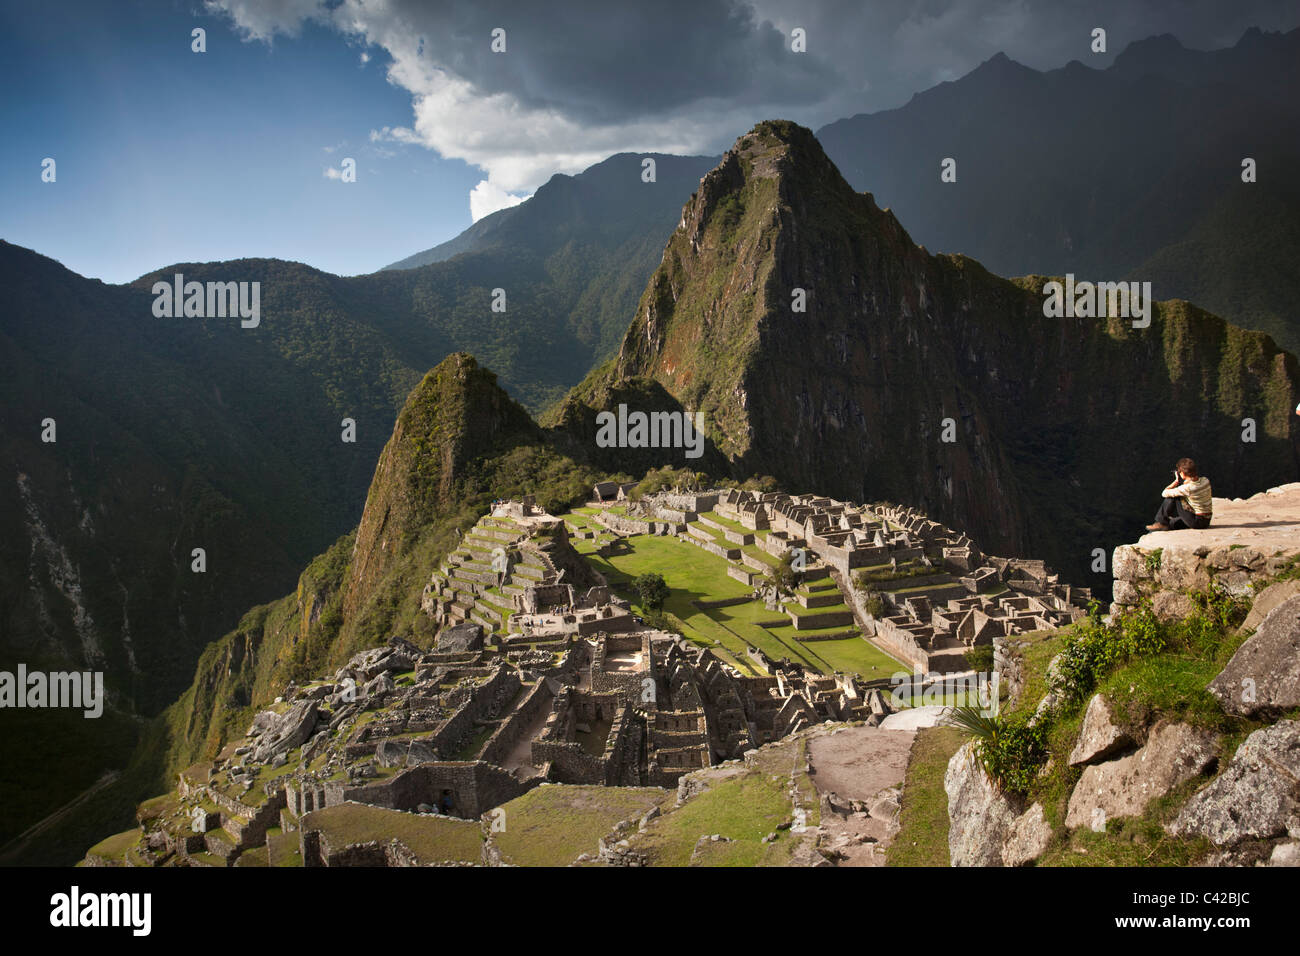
<point x="652" y="589"/>
<point x="784" y="576"/>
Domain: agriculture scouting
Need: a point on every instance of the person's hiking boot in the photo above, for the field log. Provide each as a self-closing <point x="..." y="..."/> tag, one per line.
<point x="1157" y="527"/>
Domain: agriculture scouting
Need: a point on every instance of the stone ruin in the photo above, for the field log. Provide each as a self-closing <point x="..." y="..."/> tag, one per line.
<point x="539" y="673"/>
<point x="939" y="595"/>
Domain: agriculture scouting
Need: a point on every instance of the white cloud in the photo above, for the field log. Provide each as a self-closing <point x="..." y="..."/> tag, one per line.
<point x="487" y="198"/>
<point x="333" y="173"/>
<point x="262" y="19"/>
<point x="519" y="138"/>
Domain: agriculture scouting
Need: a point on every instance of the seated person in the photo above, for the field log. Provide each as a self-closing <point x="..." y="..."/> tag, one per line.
<point x="1187" y="500"/>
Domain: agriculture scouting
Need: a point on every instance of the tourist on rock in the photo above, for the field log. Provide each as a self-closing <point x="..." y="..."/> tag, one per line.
<point x="1188" y="502"/>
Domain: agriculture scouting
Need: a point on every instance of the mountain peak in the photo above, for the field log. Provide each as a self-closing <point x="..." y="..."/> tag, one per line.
<point x="456" y="415"/>
<point x="1151" y="53"/>
<point x="776" y="163"/>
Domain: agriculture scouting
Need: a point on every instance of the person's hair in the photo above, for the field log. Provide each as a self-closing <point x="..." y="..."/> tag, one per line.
<point x="1187" y="467"/>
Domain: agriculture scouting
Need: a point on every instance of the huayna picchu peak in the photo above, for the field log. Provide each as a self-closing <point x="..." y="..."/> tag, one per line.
<point x="828" y="350"/>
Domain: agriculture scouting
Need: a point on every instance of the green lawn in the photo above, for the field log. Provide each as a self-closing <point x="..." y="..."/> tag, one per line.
<point x="726" y="522"/>
<point x="744" y="809"/>
<point x="432" y="839"/>
<point x="922" y="838"/>
<point x="554" y="825"/>
<point x="115" y="847"/>
<point x="754" y="551"/>
<point x="694" y="574"/>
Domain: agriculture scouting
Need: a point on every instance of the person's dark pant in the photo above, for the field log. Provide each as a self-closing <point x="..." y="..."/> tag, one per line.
<point x="1175" y="513"/>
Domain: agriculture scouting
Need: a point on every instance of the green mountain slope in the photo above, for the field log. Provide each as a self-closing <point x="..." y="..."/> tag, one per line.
<point x="458" y="443"/>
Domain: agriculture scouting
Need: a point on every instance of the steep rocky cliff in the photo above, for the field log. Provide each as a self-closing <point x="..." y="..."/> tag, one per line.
<point x="851" y="394"/>
<point x="1163" y="735"/>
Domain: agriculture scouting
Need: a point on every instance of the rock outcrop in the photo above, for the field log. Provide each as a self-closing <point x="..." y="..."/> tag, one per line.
<point x="1263" y="677"/>
<point x="1256" y="797"/>
<point x="1266" y="600"/>
<point x="1099" y="738"/>
<point x="986" y="827"/>
<point x="1248" y="541"/>
<point x="1173" y="754"/>
<point x="284" y="732"/>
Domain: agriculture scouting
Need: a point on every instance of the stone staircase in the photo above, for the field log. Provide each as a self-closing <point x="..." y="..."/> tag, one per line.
<point x="466" y="588"/>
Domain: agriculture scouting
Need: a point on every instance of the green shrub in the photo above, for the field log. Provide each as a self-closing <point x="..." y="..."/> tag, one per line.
<point x="1010" y="750"/>
<point x="783" y="576"/>
<point x="980" y="658"/>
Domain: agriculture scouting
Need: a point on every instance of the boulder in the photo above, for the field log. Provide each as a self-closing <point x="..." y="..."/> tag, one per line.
<point x="261" y="721"/>
<point x="397" y="656"/>
<point x="381" y="686"/>
<point x="886" y="805"/>
<point x="1263" y="677"/>
<point x="1099" y="737"/>
<point x="1128" y="564"/>
<point x="1181" y="569"/>
<point x="392" y="753"/>
<point x="421" y="751"/>
<point x="315" y="747"/>
<point x="288" y="730"/>
<point x="1028" y="838"/>
<point x="460" y="639"/>
<point x="1173" y="754"/>
<point x="1266" y="600"/>
<point x="1286" y="854"/>
<point x="1255" y="797"/>
<point x="1125" y="592"/>
<point x="980" y="816"/>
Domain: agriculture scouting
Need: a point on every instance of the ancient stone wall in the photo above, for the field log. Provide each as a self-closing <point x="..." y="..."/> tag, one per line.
<point x="512" y="730"/>
<point x="1009" y="667"/>
<point x="1162" y="574"/>
<point x="476" y="787"/>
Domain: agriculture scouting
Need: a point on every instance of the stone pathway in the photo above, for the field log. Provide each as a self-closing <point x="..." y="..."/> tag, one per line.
<point x="858" y="771"/>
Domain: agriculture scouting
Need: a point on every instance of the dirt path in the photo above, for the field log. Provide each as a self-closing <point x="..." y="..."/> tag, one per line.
<point x="858" y="771"/>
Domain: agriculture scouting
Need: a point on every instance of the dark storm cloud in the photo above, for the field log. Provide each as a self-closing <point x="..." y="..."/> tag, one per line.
<point x="602" y="61"/>
<point x="582" y="79"/>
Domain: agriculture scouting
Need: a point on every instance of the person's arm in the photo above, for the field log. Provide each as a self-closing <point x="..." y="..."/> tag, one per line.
<point x="1172" y="489"/>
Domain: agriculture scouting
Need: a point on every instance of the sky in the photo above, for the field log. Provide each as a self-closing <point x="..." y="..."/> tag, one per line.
<point x="165" y="155"/>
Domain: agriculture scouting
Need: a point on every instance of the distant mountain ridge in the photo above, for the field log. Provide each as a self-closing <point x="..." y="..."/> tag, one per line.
<point x="1107" y="173"/>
